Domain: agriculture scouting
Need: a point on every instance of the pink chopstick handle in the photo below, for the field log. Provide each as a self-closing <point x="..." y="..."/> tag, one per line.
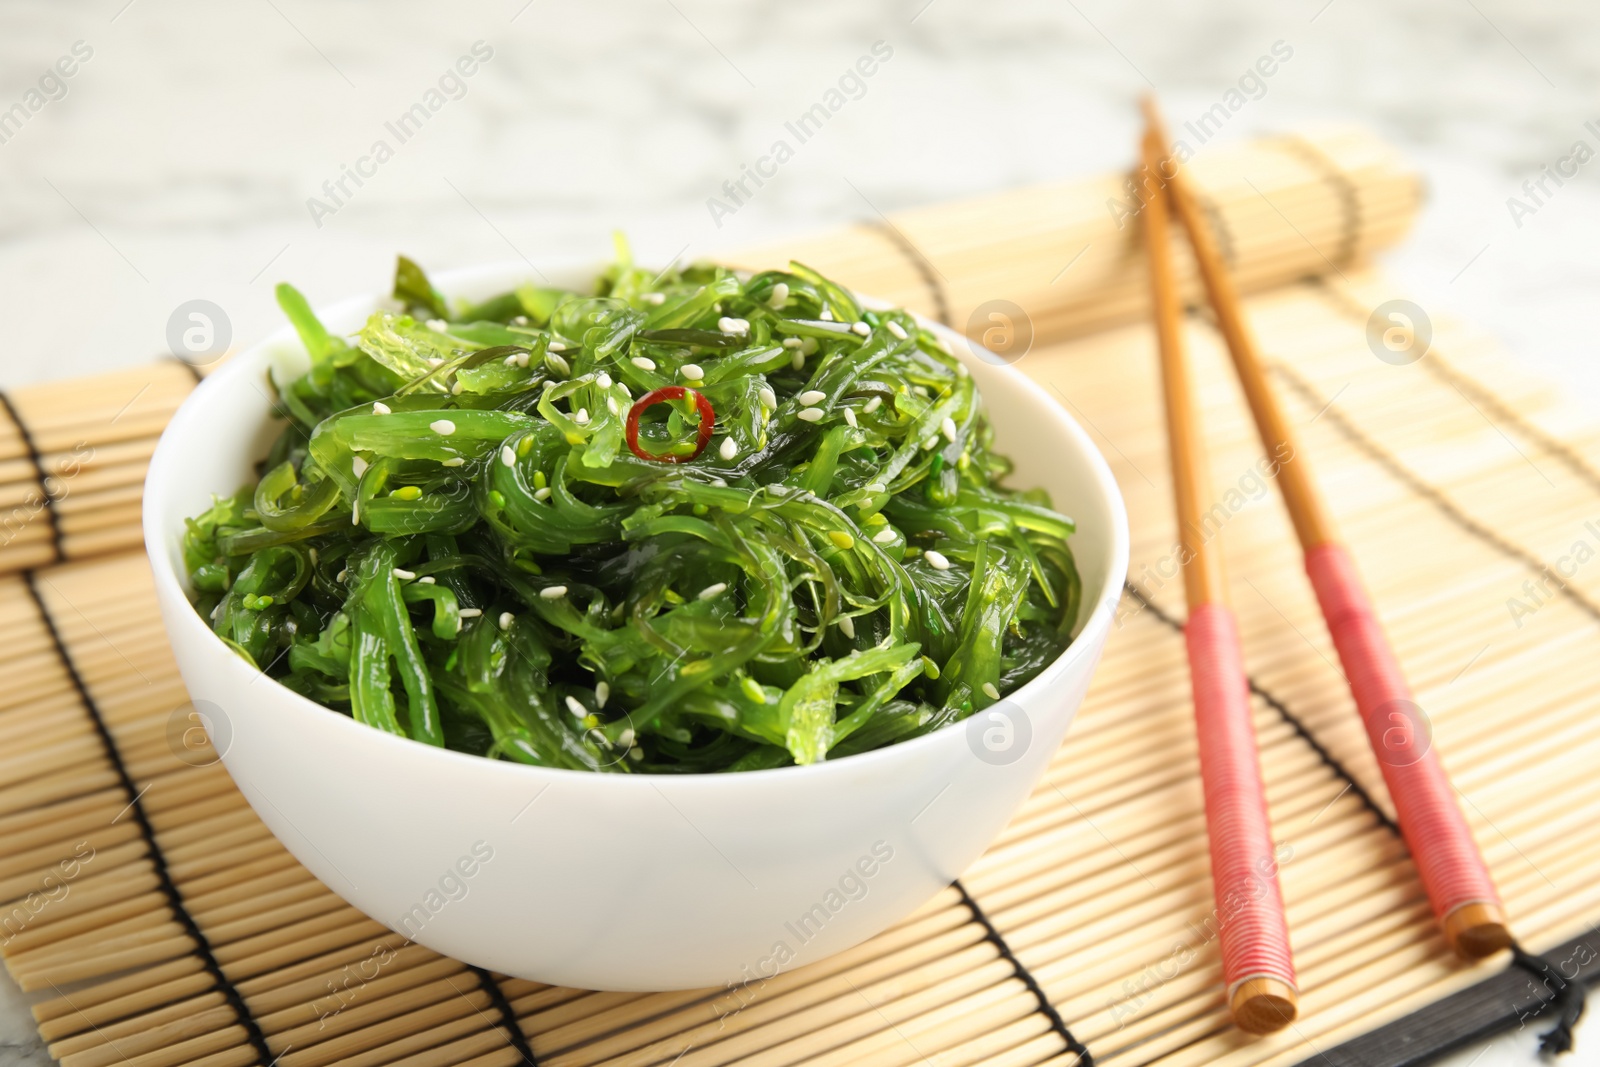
<point x="1244" y="868"/>
<point x="1441" y="844"/>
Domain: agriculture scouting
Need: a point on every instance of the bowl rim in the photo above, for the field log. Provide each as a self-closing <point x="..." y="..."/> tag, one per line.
<point x="257" y="358"/>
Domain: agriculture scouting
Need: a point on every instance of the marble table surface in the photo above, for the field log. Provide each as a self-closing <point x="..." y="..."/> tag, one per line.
<point x="180" y="157"/>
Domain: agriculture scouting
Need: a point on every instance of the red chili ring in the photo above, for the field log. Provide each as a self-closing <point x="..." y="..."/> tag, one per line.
<point x="708" y="418"/>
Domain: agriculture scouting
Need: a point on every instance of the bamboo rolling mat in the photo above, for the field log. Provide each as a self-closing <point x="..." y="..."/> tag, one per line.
<point x="160" y="924"/>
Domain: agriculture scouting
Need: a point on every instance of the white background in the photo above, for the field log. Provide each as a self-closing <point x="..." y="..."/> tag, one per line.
<point x="179" y="163"/>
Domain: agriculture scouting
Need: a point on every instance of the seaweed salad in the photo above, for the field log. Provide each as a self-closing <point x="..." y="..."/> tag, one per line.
<point x="695" y="521"/>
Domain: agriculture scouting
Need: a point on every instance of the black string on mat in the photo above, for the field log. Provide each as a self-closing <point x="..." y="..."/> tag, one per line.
<point x="1569" y="998"/>
<point x="1389" y="462"/>
<point x="1474" y="392"/>
<point x="923" y="266"/>
<point x="1043" y="1005"/>
<point x="508" y="1017"/>
<point x="158" y="860"/>
<point x="37" y="459"/>
<point x="1312" y="155"/>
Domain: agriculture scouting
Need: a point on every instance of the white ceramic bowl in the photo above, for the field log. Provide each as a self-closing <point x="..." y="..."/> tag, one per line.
<point x="621" y="882"/>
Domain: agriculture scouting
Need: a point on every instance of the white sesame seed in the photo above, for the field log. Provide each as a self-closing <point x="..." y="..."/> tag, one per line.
<point x="582" y="417"/>
<point x="961" y="368"/>
<point x="810" y="414"/>
<point x="798" y="360"/>
<point x="435" y="361"/>
<point x="930" y="443"/>
<point x="861" y="329"/>
<point x="455" y="390"/>
<point x="729" y="449"/>
<point x="625" y="738"/>
<point x="711" y="591"/>
<point x="944" y="346"/>
<point x="603" y="380"/>
<point x="692" y="371"/>
<point x="520" y="320"/>
<point x="920" y="390"/>
<point x="792" y="342"/>
<point x="342" y="575"/>
<point x="427" y="579"/>
<point x="733" y="327"/>
<point x="877" y="487"/>
<point x="443" y="427"/>
<point x="768" y="397"/>
<point x="780" y="295"/>
<point x="359" y="466"/>
<point x="470" y="613"/>
<point x="936" y="560"/>
<point x="553" y="592"/>
<point x="872" y="405"/>
<point x="438" y="325"/>
<point x="402" y="574"/>
<point x="556" y="346"/>
<point x="523" y="358"/>
<point x="827" y="315"/>
<point x="380" y="408"/>
<point x="508" y="455"/>
<point x="990" y="691"/>
<point x="602" y="693"/>
<point x="884" y="536"/>
<point x="644" y="364"/>
<point x="542" y="493"/>
<point x="847" y="626"/>
<point x="506" y="619"/>
<point x="808" y="345"/>
<point x="453" y="461"/>
<point x="948" y="428"/>
<point x="576" y="707"/>
<point x="850" y="416"/>
<point x="636" y="754"/>
<point x="654" y="298"/>
<point x="611" y="405"/>
<point x="511" y="360"/>
<point x="898" y="330"/>
<point x="812" y="396"/>
<point x="557" y="364"/>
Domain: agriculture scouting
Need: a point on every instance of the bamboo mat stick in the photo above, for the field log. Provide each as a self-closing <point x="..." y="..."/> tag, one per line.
<point x="1254" y="935"/>
<point x="1463" y="895"/>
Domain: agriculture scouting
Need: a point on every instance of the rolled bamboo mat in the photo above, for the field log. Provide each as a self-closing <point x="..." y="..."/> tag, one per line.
<point x="158" y="922"/>
<point x="1067" y="256"/>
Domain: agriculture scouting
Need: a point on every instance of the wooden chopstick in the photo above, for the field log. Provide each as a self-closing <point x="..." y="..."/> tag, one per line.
<point x="1453" y="873"/>
<point x="1249" y="919"/>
